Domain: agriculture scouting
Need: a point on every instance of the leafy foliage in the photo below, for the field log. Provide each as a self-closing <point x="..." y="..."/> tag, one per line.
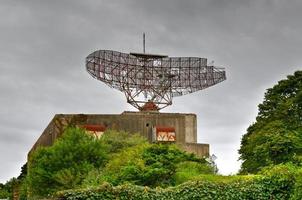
<point x="4" y="191"/>
<point x="161" y="163"/>
<point x="270" y="186"/>
<point x="65" y="164"/>
<point x="276" y="136"/>
<point x="125" y="166"/>
<point x="190" y="170"/>
<point x="282" y="181"/>
<point x="289" y="175"/>
<point x="117" y="141"/>
<point x="23" y="172"/>
<point x="22" y="182"/>
<point x="146" y="165"/>
<point x="77" y="159"/>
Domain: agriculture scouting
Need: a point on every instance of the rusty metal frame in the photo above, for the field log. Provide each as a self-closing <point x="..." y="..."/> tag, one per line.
<point x="152" y="78"/>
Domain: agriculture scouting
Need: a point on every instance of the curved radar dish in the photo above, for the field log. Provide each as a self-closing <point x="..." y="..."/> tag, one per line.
<point x="151" y="81"/>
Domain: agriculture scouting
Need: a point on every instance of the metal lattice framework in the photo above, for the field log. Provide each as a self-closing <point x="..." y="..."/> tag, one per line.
<point x="148" y="78"/>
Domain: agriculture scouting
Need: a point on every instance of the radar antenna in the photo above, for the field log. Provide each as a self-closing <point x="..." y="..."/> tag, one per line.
<point x="150" y="81"/>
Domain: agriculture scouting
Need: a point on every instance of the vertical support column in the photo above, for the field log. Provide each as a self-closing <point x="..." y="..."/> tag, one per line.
<point x="190" y="129"/>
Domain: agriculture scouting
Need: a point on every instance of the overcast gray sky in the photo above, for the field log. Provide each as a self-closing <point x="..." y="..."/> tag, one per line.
<point x="43" y="45"/>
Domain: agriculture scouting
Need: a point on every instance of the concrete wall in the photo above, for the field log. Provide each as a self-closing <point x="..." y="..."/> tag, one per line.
<point x="191" y="129"/>
<point x="199" y="149"/>
<point x="134" y="122"/>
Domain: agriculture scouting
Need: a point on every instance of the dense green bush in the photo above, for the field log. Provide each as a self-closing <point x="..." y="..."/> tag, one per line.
<point x="117" y="141"/>
<point x="146" y="165"/>
<point x="78" y="159"/>
<point x="65" y="164"/>
<point x="161" y="163"/>
<point x="282" y="182"/>
<point x="190" y="170"/>
<point x="76" y="155"/>
<point x="19" y="183"/>
<point x="297" y="191"/>
<point x="287" y="174"/>
<point x="4" y="192"/>
<point x="125" y="166"/>
<point x="259" y="188"/>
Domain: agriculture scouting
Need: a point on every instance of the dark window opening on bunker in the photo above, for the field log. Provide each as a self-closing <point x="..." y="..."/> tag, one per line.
<point x="147" y="125"/>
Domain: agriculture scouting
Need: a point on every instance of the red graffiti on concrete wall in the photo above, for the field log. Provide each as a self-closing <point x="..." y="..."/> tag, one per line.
<point x="96" y="130"/>
<point x="165" y="134"/>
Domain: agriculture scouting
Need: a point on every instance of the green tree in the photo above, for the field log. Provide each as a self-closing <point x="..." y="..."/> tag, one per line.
<point x="72" y="158"/>
<point x="22" y="182"/>
<point x="4" y="192"/>
<point x="23" y="172"/>
<point x="147" y="165"/>
<point x="65" y="164"/>
<point x="161" y="163"/>
<point x="276" y="136"/>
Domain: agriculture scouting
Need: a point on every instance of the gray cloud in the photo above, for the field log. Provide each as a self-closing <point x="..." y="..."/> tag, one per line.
<point x="43" y="45"/>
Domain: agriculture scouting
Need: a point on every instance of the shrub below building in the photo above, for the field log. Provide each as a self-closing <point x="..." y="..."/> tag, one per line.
<point x="78" y="160"/>
<point x="255" y="187"/>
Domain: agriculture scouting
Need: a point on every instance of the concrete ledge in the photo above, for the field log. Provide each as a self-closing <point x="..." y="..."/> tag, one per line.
<point x="201" y="150"/>
<point x="185" y="125"/>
